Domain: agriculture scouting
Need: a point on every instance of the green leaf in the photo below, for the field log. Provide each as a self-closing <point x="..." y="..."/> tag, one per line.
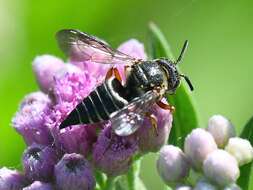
<point x="245" y="180"/>
<point x="185" y="117"/>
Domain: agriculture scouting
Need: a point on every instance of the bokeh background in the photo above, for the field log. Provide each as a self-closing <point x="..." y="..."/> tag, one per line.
<point x="219" y="60"/>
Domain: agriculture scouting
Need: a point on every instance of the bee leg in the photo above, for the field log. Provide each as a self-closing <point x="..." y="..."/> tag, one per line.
<point x="116" y="74"/>
<point x="126" y="69"/>
<point x="165" y="106"/>
<point x="109" y="73"/>
<point x="153" y="121"/>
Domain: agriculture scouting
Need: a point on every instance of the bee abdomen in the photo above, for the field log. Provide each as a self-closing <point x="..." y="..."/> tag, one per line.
<point x="98" y="106"/>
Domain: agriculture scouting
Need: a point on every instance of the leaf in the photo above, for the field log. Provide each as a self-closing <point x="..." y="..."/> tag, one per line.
<point x="185" y="117"/>
<point x="245" y="180"/>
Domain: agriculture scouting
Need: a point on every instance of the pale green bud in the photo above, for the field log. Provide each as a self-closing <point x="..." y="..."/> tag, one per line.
<point x="241" y="149"/>
<point x="221" y="129"/>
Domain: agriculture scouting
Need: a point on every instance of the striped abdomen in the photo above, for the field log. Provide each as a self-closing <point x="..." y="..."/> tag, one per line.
<point x="98" y="106"/>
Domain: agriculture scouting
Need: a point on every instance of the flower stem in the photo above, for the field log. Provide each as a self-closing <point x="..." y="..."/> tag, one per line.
<point x="133" y="175"/>
<point x="109" y="185"/>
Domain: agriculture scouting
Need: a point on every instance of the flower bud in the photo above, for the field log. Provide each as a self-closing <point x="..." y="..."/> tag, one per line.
<point x="74" y="172"/>
<point x="172" y="164"/>
<point x="78" y="139"/>
<point x="73" y="87"/>
<point x="221" y="129"/>
<point x="29" y="121"/>
<point x="221" y="168"/>
<point x="133" y="48"/>
<point x="37" y="185"/>
<point x="113" y="154"/>
<point x="11" y="179"/>
<point x="150" y="140"/>
<point x="241" y="149"/>
<point x="68" y="91"/>
<point x="183" y="187"/>
<point x="204" y="184"/>
<point x="67" y="68"/>
<point x="198" y="144"/>
<point x="232" y="187"/>
<point x="45" y="68"/>
<point x="38" y="162"/>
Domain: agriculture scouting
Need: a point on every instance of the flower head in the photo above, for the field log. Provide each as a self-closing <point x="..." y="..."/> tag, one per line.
<point x="68" y="92"/>
<point x="221" y="129"/>
<point x="45" y="67"/>
<point x="198" y="144"/>
<point x="40" y="116"/>
<point x="172" y="164"/>
<point x="232" y="187"/>
<point x="11" y="179"/>
<point x="221" y="168"/>
<point x="37" y="185"/>
<point x="74" y="172"/>
<point x="113" y="154"/>
<point x="38" y="162"/>
<point x="183" y="187"/>
<point x="241" y="149"/>
<point x="29" y="121"/>
<point x="204" y="184"/>
<point x="149" y="139"/>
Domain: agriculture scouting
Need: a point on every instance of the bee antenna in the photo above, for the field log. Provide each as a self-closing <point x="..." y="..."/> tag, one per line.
<point x="188" y="81"/>
<point x="182" y="52"/>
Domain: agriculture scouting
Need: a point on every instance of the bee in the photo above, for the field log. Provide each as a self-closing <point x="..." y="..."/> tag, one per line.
<point x="126" y="106"/>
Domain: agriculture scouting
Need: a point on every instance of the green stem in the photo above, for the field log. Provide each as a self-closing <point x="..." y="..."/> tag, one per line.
<point x="100" y="179"/>
<point x="109" y="185"/>
<point x="133" y="175"/>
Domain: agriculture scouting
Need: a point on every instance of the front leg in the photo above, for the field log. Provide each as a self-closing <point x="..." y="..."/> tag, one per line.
<point x="165" y="106"/>
<point x="153" y="121"/>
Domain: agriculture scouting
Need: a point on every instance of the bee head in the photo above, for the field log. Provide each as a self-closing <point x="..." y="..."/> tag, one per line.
<point x="172" y="74"/>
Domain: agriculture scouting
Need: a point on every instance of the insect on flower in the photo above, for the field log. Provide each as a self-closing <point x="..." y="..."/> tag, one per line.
<point x="126" y="106"/>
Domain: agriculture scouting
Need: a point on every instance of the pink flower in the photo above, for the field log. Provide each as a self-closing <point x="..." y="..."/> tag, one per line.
<point x="113" y="154"/>
<point x="150" y="139"/>
<point x="68" y="91"/>
<point x="29" y="121"/>
<point x="67" y="84"/>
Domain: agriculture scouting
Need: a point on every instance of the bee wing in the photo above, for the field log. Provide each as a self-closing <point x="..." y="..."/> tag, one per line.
<point x="79" y="46"/>
<point x="127" y="120"/>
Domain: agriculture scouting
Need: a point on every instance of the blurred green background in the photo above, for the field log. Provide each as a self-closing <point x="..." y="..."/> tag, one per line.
<point x="218" y="61"/>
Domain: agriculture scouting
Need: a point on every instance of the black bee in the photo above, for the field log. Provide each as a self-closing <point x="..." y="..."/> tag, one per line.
<point x="125" y="106"/>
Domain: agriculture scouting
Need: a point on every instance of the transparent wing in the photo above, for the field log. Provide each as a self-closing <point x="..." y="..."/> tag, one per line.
<point x="79" y="46"/>
<point x="127" y="120"/>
